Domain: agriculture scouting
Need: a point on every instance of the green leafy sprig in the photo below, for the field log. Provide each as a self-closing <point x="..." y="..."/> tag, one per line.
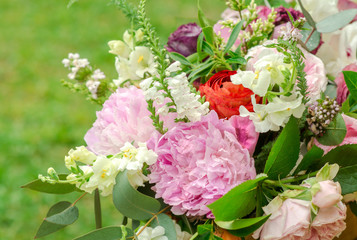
<point x="130" y="11"/>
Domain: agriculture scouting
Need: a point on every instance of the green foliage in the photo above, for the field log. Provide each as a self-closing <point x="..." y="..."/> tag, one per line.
<point x="334" y="22"/>
<point x="206" y="232"/>
<point x="57" y="188"/>
<point x="166" y="222"/>
<point x="310" y="157"/>
<point x="234" y="35"/>
<point x="351" y="82"/>
<point x="130" y="11"/>
<point x="307" y="15"/>
<point x="59" y="216"/>
<point x="335" y="132"/>
<point x="314" y="39"/>
<point x="108" y="233"/>
<point x="347" y="177"/>
<point x="285" y="151"/>
<point x="132" y="203"/>
<point x="242" y="195"/>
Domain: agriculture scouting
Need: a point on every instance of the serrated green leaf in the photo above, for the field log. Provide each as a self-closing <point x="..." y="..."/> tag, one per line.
<point x="57" y="188"/>
<point x="244" y="227"/>
<point x="307" y="15"/>
<point x="132" y="203"/>
<point x="335" y="132"/>
<point x="351" y="82"/>
<point x="66" y="217"/>
<point x="167" y="223"/>
<point x="233" y="37"/>
<point x="46" y="227"/>
<point x="285" y="151"/>
<point x="314" y="154"/>
<point x="243" y="197"/>
<point x="314" y="39"/>
<point x="107" y="233"/>
<point x="180" y="58"/>
<point x="336" y="21"/>
<point x="209" y="34"/>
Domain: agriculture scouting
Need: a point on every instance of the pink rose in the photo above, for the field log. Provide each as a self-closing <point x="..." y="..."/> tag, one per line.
<point x="329" y="222"/>
<point x="291" y="221"/>
<point x="314" y="68"/>
<point x="350" y="138"/>
<point x="329" y="194"/>
<point x="199" y="162"/>
<point x="342" y="90"/>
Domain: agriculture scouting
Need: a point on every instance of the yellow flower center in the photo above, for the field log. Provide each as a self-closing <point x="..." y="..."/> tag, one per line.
<point x="104" y="173"/>
<point x="141" y="58"/>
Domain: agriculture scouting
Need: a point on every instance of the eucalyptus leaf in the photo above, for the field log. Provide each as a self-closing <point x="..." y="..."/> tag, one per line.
<point x="351" y="82"/>
<point x="335" y="132"/>
<point x="166" y="222"/>
<point x="334" y="22"/>
<point x="285" y="151"/>
<point x="243" y="197"/>
<point x="314" y="39"/>
<point x="66" y="217"/>
<point x="314" y="154"/>
<point x="331" y="91"/>
<point x="107" y="233"/>
<point x="233" y="37"/>
<point x="47" y="227"/>
<point x="57" y="188"/>
<point x="180" y="58"/>
<point x="307" y="15"/>
<point x="132" y="203"/>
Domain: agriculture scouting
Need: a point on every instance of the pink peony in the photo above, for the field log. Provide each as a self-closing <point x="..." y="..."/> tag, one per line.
<point x="124" y="118"/>
<point x="350" y="138"/>
<point x="291" y="221"/>
<point x="329" y="222"/>
<point x="329" y="194"/>
<point x="199" y="162"/>
<point x="314" y="68"/>
<point x="342" y="90"/>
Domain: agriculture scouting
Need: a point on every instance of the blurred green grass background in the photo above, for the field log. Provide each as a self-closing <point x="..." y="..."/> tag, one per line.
<point x="39" y="119"/>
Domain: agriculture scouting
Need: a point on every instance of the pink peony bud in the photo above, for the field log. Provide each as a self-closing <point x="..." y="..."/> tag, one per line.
<point x="329" y="194"/>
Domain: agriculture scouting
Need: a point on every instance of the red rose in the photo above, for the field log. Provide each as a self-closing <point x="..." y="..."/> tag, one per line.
<point x="225" y="97"/>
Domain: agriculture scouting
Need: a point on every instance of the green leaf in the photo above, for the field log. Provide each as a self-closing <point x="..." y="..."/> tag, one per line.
<point x="335" y="132"/>
<point x="199" y="42"/>
<point x="314" y="39"/>
<point x="66" y="217"/>
<point x="241" y="223"/>
<point x="314" y="154"/>
<point x="180" y="58"/>
<point x="336" y="21"/>
<point x="233" y="37"/>
<point x="57" y="188"/>
<point x="203" y="21"/>
<point x="244" y="227"/>
<point x="344" y="156"/>
<point x="209" y="34"/>
<point x="351" y="82"/>
<point x="307" y="15"/>
<point x="278" y="3"/>
<point x="347" y="177"/>
<point x="239" y="60"/>
<point x="107" y="233"/>
<point x="285" y="151"/>
<point x="132" y="203"/>
<point x="201" y="70"/>
<point x="353" y="207"/>
<point x="243" y="197"/>
<point x="207" y="48"/>
<point x="47" y="227"/>
<point x="331" y="91"/>
<point x="167" y="223"/>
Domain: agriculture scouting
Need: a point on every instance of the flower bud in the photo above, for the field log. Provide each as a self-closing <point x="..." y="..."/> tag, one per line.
<point x="328" y="195"/>
<point x="82" y="154"/>
<point x="139" y="35"/>
<point x="119" y="48"/>
<point x="69" y="162"/>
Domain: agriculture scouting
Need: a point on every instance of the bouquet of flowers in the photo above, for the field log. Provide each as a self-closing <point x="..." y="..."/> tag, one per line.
<point x="243" y="128"/>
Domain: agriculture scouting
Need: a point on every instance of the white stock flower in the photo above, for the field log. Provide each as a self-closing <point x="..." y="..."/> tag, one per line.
<point x="119" y="48"/>
<point x="141" y="61"/>
<point x="274" y="114"/>
<point x="82" y="184"/>
<point x="187" y="103"/>
<point x="124" y="70"/>
<point x="157" y="233"/>
<point x="128" y="39"/>
<point x="257" y="82"/>
<point x="82" y="154"/>
<point x="134" y="158"/>
<point x="139" y="35"/>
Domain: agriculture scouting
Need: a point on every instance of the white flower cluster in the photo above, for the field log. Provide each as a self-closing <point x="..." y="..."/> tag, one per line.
<point x="288" y="32"/>
<point x="187" y="102"/>
<point x="132" y="62"/>
<point x="100" y="171"/>
<point x="80" y="68"/>
<point x="270" y="72"/>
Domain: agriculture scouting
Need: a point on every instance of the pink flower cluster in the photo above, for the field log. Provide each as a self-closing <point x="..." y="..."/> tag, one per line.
<point x="199" y="162"/>
<point x="291" y="219"/>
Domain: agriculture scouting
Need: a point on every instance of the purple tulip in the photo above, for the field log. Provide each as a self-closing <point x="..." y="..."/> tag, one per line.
<point x="184" y="39"/>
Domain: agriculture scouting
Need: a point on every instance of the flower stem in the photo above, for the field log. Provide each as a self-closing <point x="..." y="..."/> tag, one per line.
<point x="97" y="210"/>
<point x="308" y="37"/>
<point x="74" y="203"/>
<point x="151" y="219"/>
